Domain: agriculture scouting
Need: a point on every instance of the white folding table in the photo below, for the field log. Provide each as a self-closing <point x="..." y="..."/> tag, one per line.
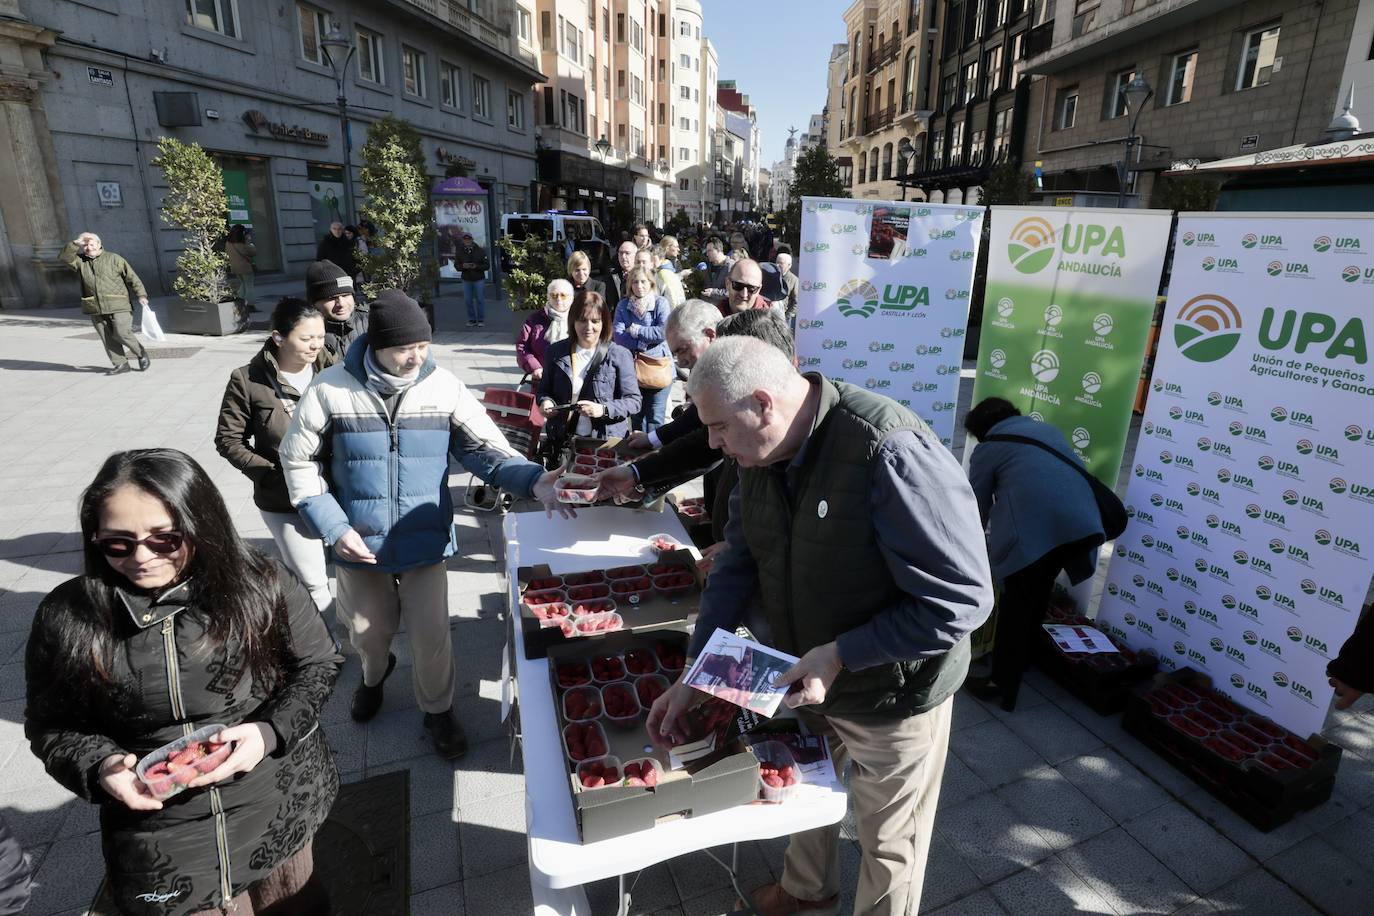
<point x="559" y="862"/>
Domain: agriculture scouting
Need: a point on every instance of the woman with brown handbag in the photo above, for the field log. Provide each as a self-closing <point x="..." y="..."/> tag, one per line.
<point x="641" y="321"/>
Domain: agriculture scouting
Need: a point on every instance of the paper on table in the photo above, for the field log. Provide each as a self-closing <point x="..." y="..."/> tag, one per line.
<point x="1079" y="639"/>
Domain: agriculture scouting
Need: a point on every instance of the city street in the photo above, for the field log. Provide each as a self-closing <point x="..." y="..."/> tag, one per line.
<point x="1051" y="809"/>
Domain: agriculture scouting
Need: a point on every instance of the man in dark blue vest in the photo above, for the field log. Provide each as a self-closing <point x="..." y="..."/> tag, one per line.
<point x="856" y="534"/>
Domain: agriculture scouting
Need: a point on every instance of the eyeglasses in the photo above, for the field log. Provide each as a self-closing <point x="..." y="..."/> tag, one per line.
<point x="161" y="543"/>
<point x="743" y="287"/>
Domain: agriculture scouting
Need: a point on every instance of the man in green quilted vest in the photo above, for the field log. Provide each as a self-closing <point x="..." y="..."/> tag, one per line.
<point x="107" y="281"/>
<point x="856" y="534"/>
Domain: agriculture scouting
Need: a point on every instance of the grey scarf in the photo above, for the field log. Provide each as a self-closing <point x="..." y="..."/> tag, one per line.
<point x="381" y="381"/>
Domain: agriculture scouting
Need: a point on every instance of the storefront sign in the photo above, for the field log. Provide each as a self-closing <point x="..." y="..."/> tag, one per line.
<point x="1250" y="546"/>
<point x="1070" y="295"/>
<point x="291" y="133"/>
<point x="236" y="189"/>
<point x="454" y="216"/>
<point x="884" y="298"/>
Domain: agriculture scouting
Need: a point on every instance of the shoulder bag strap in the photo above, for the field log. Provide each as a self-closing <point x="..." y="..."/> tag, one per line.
<point x="1026" y="440"/>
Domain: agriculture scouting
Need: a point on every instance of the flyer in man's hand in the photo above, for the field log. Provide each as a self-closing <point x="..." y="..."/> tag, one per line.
<point x="741" y="671"/>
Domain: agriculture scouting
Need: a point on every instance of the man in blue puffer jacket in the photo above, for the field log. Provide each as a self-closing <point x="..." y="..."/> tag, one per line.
<point x="366" y="461"/>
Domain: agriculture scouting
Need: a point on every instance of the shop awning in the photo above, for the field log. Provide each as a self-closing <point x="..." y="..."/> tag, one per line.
<point x="1357" y="150"/>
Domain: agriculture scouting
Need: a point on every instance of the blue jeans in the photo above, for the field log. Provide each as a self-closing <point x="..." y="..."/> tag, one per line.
<point x="650" y="416"/>
<point x="473" y="291"/>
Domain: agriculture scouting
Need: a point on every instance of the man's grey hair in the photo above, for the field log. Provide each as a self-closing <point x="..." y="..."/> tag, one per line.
<point x="762" y="324"/>
<point x="689" y="321"/>
<point x="559" y="284"/>
<point x="89" y="235"/>
<point x="735" y="367"/>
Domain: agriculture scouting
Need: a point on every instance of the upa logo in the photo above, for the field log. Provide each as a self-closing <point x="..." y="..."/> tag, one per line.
<point x="1103" y="324"/>
<point x="1166" y="457"/>
<point x="1266" y="462"/>
<point x="1304" y="446"/>
<point x="1276" y="545"/>
<point x="1252" y="511"/>
<point x="881" y="346"/>
<point x="1045" y="366"/>
<point x="1249" y="240"/>
<point x="1322" y="243"/>
<point x="1092" y="382"/>
<point x="1312" y="329"/>
<point x="1323" y="537"/>
<point x="1338" y="485"/>
<point x="998" y="358"/>
<point x="857" y="298"/>
<point x="1350" y="274"/>
<point x="836" y="344"/>
<point x="1353" y="433"/>
<point x="1204" y="444"/>
<point x="1200" y="565"/>
<point x="1032" y="245"/>
<point x="1209" y="263"/>
<point x="809" y="323"/>
<point x="1274" y="268"/>
<point x="1212" y="521"/>
<point x="1207" y="328"/>
<point x="1081" y="438"/>
<point x="1053" y="315"/>
<point x="1005" y="308"/>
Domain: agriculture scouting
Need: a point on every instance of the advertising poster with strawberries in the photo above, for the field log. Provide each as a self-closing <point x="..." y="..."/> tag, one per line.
<point x="1248" y="554"/>
<point x="884" y="298"/>
<point x="1066" y="311"/>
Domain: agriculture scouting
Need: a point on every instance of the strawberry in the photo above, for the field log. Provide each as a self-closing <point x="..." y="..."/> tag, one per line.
<point x="650" y="776"/>
<point x="612" y="774"/>
<point x="593" y="782"/>
<point x="640" y="661"/>
<point x="158" y="771"/>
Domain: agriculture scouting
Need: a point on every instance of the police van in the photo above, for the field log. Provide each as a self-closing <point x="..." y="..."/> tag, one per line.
<point x="572" y="230"/>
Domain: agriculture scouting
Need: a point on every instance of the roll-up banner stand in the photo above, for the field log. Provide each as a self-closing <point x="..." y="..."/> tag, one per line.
<point x="1252" y="492"/>
<point x="884" y="298"/>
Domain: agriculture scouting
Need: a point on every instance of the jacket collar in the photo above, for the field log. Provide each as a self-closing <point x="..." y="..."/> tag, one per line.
<point x="148" y="610"/>
<point x="829" y="397"/>
<point x="356" y="361"/>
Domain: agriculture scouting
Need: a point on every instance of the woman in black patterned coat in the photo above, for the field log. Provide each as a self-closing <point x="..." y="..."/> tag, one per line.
<point x="177" y="624"/>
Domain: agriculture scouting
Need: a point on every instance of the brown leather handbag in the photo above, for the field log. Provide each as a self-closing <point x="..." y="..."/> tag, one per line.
<point x="653" y="372"/>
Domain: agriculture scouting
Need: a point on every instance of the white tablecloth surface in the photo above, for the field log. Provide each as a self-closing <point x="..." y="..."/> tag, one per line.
<point x="559" y="863"/>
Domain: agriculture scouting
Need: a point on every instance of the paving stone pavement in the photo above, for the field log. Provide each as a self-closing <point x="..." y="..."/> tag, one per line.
<point x="1052" y="809"/>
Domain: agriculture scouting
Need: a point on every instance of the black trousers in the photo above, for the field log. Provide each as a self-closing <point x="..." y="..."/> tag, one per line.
<point x="1021" y="613"/>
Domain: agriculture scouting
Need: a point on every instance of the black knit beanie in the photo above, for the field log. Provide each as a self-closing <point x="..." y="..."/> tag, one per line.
<point x="396" y="320"/>
<point x="325" y="280"/>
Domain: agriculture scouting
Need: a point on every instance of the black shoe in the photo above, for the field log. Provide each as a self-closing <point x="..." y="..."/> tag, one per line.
<point x="118" y="370"/>
<point x="367" y="700"/>
<point x="988" y="690"/>
<point x="449" y="740"/>
<point x="144" y="362"/>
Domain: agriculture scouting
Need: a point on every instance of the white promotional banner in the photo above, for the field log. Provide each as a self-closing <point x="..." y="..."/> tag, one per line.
<point x="1252" y="496"/>
<point x="884" y="298"/>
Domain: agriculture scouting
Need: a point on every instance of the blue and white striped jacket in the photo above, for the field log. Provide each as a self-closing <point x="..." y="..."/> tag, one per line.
<point x="348" y="464"/>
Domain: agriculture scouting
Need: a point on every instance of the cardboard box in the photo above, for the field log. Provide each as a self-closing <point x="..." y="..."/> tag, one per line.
<point x="723" y="779"/>
<point x="659" y="606"/>
<point x="1264" y="797"/>
<point x="1101" y="681"/>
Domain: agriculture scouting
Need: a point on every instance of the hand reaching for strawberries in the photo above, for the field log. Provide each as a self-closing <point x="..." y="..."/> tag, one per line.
<point x="252" y="742"/>
<point x="120" y="782"/>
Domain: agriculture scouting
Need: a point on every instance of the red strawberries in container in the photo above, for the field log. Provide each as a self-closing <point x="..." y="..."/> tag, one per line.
<point x="640" y="661"/>
<point x="650" y="687"/>
<point x="583" y="578"/>
<point x="670" y="657"/>
<point x="540" y="585"/>
<point x="581" y="703"/>
<point x="591" y="624"/>
<point x="586" y="592"/>
<point x="584" y="740"/>
<point x="573" y="674"/>
<point x="624" y="572"/>
<point x="170" y="768"/>
<point x="622" y="709"/>
<point x="608" y="668"/>
<point x="595" y="774"/>
<point x="642" y="773"/>
<point x="778" y="772"/>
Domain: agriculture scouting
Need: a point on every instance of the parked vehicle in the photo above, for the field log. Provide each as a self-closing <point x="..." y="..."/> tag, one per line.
<point x="574" y="230"/>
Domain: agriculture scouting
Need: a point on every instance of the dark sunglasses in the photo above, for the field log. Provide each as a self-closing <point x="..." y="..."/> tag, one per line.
<point x="743" y="287"/>
<point x="162" y="543"/>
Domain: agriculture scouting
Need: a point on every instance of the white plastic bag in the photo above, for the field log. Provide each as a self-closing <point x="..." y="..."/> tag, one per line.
<point x="151" y="328"/>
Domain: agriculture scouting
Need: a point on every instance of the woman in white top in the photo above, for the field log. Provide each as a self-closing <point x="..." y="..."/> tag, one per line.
<point x="588" y="387"/>
<point x="257" y="408"/>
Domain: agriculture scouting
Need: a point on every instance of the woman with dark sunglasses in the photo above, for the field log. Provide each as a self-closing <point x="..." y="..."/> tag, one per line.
<point x="177" y="624"/>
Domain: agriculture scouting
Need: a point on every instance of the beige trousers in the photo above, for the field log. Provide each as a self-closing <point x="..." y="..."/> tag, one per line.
<point x="895" y="784"/>
<point x="374" y="602"/>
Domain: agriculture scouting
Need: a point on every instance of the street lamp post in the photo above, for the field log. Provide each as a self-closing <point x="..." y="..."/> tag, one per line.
<point x="1137" y="93"/>
<point x="603" y="148"/>
<point x="339" y="51"/>
<point x="906" y="150"/>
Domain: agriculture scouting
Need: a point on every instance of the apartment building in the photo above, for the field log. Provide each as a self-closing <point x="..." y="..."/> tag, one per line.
<point x="90" y="87"/>
<point x="692" y="110"/>
<point x="741" y="127"/>
<point x="1224" y="79"/>
<point x="890" y="52"/>
<point x="979" y="99"/>
<point x="834" y="113"/>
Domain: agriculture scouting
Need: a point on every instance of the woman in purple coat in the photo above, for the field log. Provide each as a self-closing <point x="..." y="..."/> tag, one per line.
<point x="546" y="326"/>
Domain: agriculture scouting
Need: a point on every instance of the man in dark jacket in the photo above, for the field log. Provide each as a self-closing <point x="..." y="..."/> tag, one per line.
<point x="472" y="265"/>
<point x="338" y="248"/>
<point x="107" y="280"/>
<point x="855" y="532"/>
<point x="616" y="287"/>
<point x="1351" y="672"/>
<point x="330" y="289"/>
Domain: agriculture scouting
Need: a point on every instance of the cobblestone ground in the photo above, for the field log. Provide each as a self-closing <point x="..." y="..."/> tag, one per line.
<point x="1052" y="809"/>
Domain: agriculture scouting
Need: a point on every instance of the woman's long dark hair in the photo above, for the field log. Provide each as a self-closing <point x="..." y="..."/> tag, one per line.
<point x="233" y="584"/>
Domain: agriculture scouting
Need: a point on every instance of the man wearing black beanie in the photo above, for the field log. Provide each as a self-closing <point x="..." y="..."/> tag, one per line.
<point x="385" y="422"/>
<point x="329" y="288"/>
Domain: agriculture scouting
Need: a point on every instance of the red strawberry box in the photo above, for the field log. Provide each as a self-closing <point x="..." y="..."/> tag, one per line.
<point x="633" y="788"/>
<point x="167" y="770"/>
<point x="1263" y="771"/>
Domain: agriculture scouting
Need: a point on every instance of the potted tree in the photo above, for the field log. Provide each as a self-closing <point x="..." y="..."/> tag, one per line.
<point x="196" y="203"/>
<point x="397" y="190"/>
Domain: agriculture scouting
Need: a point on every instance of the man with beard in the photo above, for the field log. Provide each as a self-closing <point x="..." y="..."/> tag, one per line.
<point x="330" y="289"/>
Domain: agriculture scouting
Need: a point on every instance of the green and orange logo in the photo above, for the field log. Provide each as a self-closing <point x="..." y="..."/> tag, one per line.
<point x="857" y="297"/>
<point x="1207" y="328"/>
<point x="1032" y="245"/>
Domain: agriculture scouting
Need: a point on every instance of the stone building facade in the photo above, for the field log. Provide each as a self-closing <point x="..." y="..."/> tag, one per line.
<point x="1228" y="77"/>
<point x="89" y="88"/>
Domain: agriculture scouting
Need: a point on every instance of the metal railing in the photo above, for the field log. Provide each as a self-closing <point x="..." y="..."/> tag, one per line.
<point x="463" y="19"/>
<point x="883" y="53"/>
<point x="879" y="119"/>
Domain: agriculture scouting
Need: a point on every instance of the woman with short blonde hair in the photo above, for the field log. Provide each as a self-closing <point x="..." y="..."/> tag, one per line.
<point x="580" y="275"/>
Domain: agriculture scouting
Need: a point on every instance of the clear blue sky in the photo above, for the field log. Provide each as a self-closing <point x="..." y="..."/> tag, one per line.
<point x="777" y="51"/>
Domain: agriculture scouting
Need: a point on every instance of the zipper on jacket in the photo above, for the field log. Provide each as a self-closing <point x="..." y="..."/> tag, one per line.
<point x="169" y="651"/>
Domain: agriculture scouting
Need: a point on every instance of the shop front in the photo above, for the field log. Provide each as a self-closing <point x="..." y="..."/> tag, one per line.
<point x="248" y="185"/>
<point x="570" y="182"/>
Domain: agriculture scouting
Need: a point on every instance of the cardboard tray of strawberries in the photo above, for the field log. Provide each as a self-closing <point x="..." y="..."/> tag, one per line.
<point x="1101" y="680"/>
<point x="567" y="608"/>
<point x="1262" y="771"/>
<point x="620" y="781"/>
<point x="696" y="519"/>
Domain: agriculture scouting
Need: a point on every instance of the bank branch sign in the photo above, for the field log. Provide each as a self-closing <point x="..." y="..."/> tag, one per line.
<point x="1269" y="372"/>
<point x="884" y="298"/>
<point x="1070" y="294"/>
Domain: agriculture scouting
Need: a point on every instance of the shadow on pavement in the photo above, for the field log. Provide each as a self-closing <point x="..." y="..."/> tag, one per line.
<point x="33" y="365"/>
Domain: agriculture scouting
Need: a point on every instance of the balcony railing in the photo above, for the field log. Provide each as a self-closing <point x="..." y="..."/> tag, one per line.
<point x="883" y="53"/>
<point x="879" y="119"/>
<point x="460" y="17"/>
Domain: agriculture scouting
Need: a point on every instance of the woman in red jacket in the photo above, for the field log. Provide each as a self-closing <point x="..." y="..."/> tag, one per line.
<point x="547" y="326"/>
